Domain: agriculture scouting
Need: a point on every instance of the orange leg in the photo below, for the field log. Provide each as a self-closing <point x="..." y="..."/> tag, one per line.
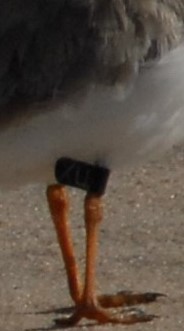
<point x="89" y="305"/>
<point x="59" y="205"/>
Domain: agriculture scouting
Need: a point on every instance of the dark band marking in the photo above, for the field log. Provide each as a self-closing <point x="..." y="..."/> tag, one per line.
<point x="91" y="178"/>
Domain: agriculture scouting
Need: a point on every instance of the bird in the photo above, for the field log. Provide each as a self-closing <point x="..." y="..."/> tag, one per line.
<point x="87" y="86"/>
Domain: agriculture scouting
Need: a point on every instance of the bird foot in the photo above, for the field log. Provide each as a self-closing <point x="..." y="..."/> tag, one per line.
<point x="102" y="316"/>
<point x="96" y="310"/>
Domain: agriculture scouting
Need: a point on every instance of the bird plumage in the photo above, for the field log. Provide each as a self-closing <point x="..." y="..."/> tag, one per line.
<point x="97" y="80"/>
<point x="47" y="45"/>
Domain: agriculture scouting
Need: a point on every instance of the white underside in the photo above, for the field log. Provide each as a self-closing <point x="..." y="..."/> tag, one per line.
<point x="104" y="127"/>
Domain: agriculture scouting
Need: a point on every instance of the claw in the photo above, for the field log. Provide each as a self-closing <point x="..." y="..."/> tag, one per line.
<point x="152" y="296"/>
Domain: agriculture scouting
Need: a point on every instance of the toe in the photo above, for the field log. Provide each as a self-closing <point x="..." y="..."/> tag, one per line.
<point x="127" y="298"/>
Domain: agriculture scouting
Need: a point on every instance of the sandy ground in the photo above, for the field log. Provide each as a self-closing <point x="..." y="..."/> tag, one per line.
<point x="141" y="248"/>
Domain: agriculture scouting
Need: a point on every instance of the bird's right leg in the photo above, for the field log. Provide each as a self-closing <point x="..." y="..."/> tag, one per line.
<point x="59" y="207"/>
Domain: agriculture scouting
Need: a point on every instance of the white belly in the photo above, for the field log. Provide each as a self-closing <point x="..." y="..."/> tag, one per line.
<point x="102" y="128"/>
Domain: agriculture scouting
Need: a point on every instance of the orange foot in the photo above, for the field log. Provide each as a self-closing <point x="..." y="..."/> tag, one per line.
<point x="96" y="311"/>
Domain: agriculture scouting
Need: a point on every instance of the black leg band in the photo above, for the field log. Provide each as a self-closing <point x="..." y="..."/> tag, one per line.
<point x="91" y="178"/>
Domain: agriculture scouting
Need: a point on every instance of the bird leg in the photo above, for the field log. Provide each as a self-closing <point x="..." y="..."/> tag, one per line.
<point x="87" y="303"/>
<point x="58" y="201"/>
